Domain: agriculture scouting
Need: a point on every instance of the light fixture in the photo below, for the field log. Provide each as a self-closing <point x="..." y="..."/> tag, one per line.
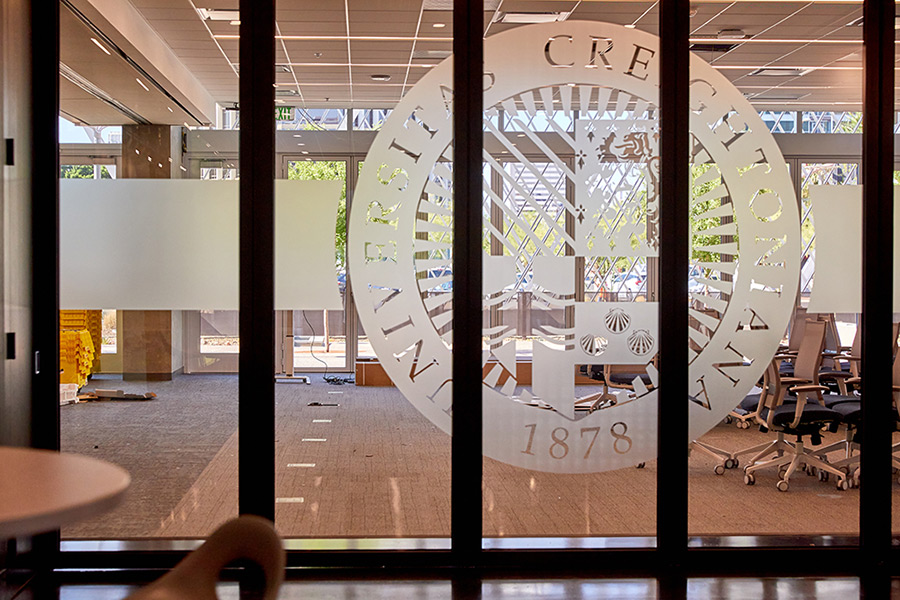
<point x="296" y="135"/>
<point x="219" y="14"/>
<point x="630" y="26"/>
<point x="380" y="77"/>
<point x="141" y="83"/>
<point x="438" y="25"/>
<point x="235" y="23"/>
<point x="531" y="17"/>
<point x="170" y="109"/>
<point x="101" y="46"/>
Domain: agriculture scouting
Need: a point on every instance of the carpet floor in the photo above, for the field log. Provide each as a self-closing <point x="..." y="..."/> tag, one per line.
<point x="374" y="467"/>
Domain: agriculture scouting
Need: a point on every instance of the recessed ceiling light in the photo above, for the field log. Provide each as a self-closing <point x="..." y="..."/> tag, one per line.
<point x="141" y="83"/>
<point x="520" y="135"/>
<point x="296" y="135"/>
<point x="317" y="54"/>
<point x="170" y="109"/>
<point x="219" y="14"/>
<point x="234" y="22"/>
<point x="305" y="152"/>
<point x="301" y="144"/>
<point x="380" y="77"/>
<point x="438" y="25"/>
<point x="101" y="46"/>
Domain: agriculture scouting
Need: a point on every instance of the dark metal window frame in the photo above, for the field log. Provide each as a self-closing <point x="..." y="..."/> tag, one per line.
<point x="674" y="558"/>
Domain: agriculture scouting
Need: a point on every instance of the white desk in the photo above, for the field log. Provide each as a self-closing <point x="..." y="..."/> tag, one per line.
<point x="42" y="490"/>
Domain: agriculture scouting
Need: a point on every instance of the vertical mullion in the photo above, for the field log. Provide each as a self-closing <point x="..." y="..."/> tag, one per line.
<point x="466" y="449"/>
<point x="256" y="380"/>
<point x="877" y="232"/>
<point x="44" y="172"/>
<point x="671" y="494"/>
<point x="45" y="225"/>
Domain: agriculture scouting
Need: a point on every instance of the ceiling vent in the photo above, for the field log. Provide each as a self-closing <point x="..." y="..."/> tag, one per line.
<point x="777" y="96"/>
<point x="522" y="18"/>
<point x="431" y="54"/>
<point x="732" y="34"/>
<point x="708" y="47"/>
<point x="779" y="72"/>
<point x="489" y="5"/>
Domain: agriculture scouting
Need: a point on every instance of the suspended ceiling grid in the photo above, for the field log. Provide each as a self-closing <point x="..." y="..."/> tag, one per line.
<point x="328" y="51"/>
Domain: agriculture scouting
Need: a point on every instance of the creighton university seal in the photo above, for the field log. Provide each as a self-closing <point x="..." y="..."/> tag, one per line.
<point x="583" y="97"/>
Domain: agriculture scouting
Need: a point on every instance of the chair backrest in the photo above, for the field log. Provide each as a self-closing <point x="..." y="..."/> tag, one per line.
<point x="771" y="394"/>
<point x="809" y="356"/>
<point x="798" y="326"/>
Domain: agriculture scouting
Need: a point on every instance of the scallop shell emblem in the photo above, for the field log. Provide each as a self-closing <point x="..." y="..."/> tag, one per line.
<point x="640" y="342"/>
<point x="593" y="345"/>
<point x="617" y="320"/>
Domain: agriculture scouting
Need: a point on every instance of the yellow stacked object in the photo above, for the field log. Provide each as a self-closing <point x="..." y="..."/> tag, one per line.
<point x="95" y="327"/>
<point x="76" y="346"/>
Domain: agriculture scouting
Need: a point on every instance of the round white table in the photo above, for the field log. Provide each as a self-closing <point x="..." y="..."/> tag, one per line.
<point x="41" y="490"/>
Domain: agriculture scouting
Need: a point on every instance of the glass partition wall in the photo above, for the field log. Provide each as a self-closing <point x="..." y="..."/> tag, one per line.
<point x="367" y="281"/>
<point x="756" y="449"/>
<point x="148" y="270"/>
<point x="571" y="238"/>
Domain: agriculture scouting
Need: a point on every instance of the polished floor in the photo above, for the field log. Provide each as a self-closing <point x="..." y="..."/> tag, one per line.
<point x="559" y="589"/>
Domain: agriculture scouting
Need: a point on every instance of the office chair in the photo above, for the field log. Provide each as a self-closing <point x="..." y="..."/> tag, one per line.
<point x="850" y="409"/>
<point x="805" y="417"/>
<point x="244" y="538"/>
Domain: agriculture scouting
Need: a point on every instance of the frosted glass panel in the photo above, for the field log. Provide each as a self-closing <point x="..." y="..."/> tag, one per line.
<point x="173" y="244"/>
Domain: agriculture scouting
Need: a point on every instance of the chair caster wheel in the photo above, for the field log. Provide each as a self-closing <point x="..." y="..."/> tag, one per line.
<point x="729" y="419"/>
<point x="782" y="486"/>
<point x="719" y="470"/>
<point x="823" y="475"/>
<point x="729" y="463"/>
<point x="640" y="465"/>
<point x="749" y="478"/>
<point x="843" y="484"/>
<point x="812" y="471"/>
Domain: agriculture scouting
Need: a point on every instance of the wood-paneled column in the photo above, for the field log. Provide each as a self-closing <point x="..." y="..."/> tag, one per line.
<point x="151" y="339"/>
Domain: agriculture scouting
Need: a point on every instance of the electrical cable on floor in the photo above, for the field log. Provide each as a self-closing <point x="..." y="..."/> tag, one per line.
<point x="333" y="379"/>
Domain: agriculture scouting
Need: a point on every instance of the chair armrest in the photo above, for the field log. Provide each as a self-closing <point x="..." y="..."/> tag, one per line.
<point x="809" y="388"/>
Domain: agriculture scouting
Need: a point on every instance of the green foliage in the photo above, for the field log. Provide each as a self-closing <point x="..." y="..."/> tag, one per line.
<point x="82" y="172"/>
<point x="328" y="170"/>
<point x="698" y="238"/>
